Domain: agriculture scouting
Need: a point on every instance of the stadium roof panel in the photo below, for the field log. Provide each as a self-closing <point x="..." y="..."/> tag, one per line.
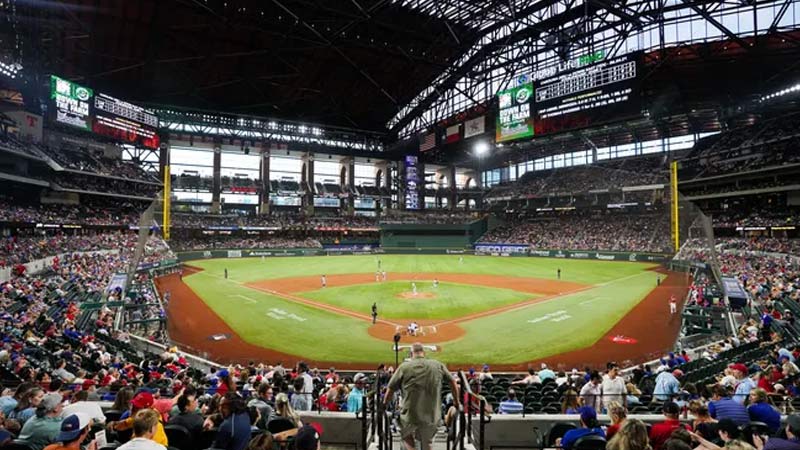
<point x="351" y="64"/>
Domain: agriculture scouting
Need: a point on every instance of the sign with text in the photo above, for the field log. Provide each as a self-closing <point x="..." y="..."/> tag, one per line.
<point x="514" y="119"/>
<point x="72" y="103"/>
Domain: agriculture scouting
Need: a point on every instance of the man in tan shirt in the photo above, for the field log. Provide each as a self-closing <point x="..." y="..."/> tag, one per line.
<point x="420" y="380"/>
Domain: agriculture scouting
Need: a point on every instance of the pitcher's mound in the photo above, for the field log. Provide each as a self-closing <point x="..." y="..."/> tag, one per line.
<point x="419" y="295"/>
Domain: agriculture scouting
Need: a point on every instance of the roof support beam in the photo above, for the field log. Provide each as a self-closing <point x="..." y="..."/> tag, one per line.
<point x="731" y="35"/>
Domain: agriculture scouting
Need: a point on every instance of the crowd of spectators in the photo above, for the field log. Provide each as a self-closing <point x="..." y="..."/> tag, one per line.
<point x="95" y="213"/>
<point x="768" y="143"/>
<point x="233" y="242"/>
<point x="118" y="186"/>
<point x="758" y="217"/>
<point x="613" y="174"/>
<point x="430" y="217"/>
<point x="75" y="157"/>
<point x="18" y="249"/>
<point x="642" y="233"/>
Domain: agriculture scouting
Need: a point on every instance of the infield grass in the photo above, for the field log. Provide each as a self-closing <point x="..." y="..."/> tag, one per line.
<point x="452" y="299"/>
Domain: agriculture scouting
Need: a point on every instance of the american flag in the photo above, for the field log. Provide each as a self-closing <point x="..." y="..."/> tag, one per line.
<point x="427" y="142"/>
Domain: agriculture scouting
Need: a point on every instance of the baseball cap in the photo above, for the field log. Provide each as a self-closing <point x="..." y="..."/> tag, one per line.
<point x="740" y="367"/>
<point x="72" y="426"/>
<point x="308" y="436"/>
<point x="359" y="377"/>
<point x="223" y="373"/>
<point x="677" y="373"/>
<point x="51" y="401"/>
<point x="142" y="400"/>
<point x="587" y="413"/>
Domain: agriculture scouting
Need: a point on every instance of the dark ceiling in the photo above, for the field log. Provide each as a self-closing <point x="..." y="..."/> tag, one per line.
<point x="349" y="63"/>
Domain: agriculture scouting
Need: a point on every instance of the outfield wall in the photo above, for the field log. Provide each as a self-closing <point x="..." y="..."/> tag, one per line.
<point x="480" y="250"/>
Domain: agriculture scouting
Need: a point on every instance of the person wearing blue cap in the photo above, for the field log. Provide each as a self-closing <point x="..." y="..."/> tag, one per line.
<point x="74" y="430"/>
<point x="589" y="427"/>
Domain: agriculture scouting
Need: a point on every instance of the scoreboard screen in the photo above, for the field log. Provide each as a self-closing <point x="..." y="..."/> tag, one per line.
<point x="583" y="96"/>
<point x="514" y="119"/>
<point x="124" y="121"/>
<point x="102" y="114"/>
<point x="71" y="103"/>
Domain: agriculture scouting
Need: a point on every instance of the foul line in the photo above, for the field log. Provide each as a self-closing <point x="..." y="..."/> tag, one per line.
<point x="318" y="305"/>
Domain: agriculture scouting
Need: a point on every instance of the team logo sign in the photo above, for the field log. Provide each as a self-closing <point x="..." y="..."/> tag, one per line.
<point x="523" y="95"/>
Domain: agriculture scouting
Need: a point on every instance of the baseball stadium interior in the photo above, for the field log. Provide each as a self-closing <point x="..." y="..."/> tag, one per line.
<point x="378" y="224"/>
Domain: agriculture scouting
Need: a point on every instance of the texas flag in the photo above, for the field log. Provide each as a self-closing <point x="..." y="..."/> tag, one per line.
<point x="453" y="134"/>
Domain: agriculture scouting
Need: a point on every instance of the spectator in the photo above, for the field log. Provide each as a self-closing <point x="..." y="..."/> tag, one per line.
<point x="546" y="374"/>
<point x="308" y="437"/>
<point x="74" y="430"/>
<point x="43" y="429"/>
<point x="743" y="383"/>
<point x="146" y="424"/>
<point x="662" y="431"/>
<point x="305" y="390"/>
<point x="703" y="423"/>
<point x="631" y="436"/>
<point x="589" y="427"/>
<point x="187" y="416"/>
<point x="262" y="402"/>
<point x="355" y="399"/>
<point x="591" y="392"/>
<point x="300" y="401"/>
<point x="234" y="432"/>
<point x="510" y="405"/>
<point x="618" y="415"/>
<point x="142" y="401"/>
<point x="614" y="388"/>
<point x="284" y="409"/>
<point x="570" y="403"/>
<point x="667" y="385"/>
<point x="26" y="408"/>
<point x="792" y="441"/>
<point x="723" y="407"/>
<point x="421" y="382"/>
<point x="761" y="411"/>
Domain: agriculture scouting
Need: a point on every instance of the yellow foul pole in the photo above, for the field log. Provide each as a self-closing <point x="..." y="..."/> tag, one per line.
<point x="166" y="203"/>
<point x="674" y="205"/>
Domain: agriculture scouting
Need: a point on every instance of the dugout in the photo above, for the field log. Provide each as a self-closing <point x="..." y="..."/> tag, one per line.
<point x="431" y="235"/>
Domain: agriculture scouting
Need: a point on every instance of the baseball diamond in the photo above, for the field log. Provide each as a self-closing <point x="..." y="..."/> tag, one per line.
<point x="519" y="302"/>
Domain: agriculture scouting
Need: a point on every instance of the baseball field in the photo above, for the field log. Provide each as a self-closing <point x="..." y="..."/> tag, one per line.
<point x="471" y="310"/>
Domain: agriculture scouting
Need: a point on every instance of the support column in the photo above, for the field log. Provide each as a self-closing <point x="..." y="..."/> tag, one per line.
<point x="308" y="184"/>
<point x="421" y="185"/>
<point x="347" y="181"/>
<point x="263" y="195"/>
<point x="216" y="184"/>
<point x="452" y="200"/>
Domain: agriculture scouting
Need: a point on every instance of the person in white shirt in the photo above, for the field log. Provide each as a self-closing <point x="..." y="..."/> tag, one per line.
<point x="145" y="424"/>
<point x="591" y="392"/>
<point x="613" y="387"/>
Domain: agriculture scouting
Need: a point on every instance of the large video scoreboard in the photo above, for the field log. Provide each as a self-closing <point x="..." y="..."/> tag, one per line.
<point x="589" y="90"/>
<point x="81" y="107"/>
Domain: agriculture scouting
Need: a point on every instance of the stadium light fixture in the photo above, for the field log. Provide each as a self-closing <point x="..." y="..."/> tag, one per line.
<point x="481" y="148"/>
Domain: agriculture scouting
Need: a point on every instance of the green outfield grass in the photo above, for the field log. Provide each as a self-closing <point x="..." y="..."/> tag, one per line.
<point x="551" y="327"/>
<point x="580" y="271"/>
<point x="452" y="299"/>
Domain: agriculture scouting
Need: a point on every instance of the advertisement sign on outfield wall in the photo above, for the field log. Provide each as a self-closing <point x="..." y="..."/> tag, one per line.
<point x="522" y="250"/>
